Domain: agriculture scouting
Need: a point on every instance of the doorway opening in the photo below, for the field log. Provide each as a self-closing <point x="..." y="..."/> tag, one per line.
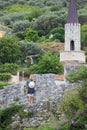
<point x="72" y="47"/>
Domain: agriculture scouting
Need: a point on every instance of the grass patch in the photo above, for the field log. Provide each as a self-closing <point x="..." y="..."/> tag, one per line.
<point x="4" y="84"/>
<point x="21" y="8"/>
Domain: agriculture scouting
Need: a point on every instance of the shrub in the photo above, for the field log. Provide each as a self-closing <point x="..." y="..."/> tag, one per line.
<point x="18" y="16"/>
<point x="21" y="8"/>
<point x="48" y="63"/>
<point x="58" y="37"/>
<point x="78" y="122"/>
<point x="46" y="22"/>
<point x="83" y="94"/>
<point x="20" y="35"/>
<point x="55" y="8"/>
<point x="74" y="103"/>
<point x="80" y="74"/>
<point x="31" y="35"/>
<point x="9" y="50"/>
<point x="84" y="36"/>
<point x="5" y="76"/>
<point x="2" y="84"/>
<point x="30" y="48"/>
<point x="9" y="68"/>
<point x="71" y="103"/>
<point x="25" y="71"/>
<point x="20" y="26"/>
<point x="72" y="77"/>
<point x="6" y="20"/>
<point x="6" y="114"/>
<point x="34" y="14"/>
<point x="58" y="33"/>
<point x="41" y="33"/>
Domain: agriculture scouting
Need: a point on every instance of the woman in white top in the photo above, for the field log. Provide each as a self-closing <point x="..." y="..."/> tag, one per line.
<point x="31" y="91"/>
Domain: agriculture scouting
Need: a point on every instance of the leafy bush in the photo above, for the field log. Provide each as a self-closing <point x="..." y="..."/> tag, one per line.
<point x="21" y="8"/>
<point x="20" y="35"/>
<point x="6" y="114"/>
<point x="5" y="76"/>
<point x="2" y="84"/>
<point x="80" y="74"/>
<point x="55" y="8"/>
<point x="83" y="94"/>
<point x="20" y="26"/>
<point x="49" y="63"/>
<point x="58" y="37"/>
<point x="71" y="103"/>
<point x="84" y="36"/>
<point x="41" y="33"/>
<point x="26" y="71"/>
<point x="34" y="14"/>
<point x="72" y="77"/>
<point x="6" y="20"/>
<point x="81" y="77"/>
<point x="74" y="103"/>
<point x="58" y="33"/>
<point x="82" y="12"/>
<point x="9" y="68"/>
<point x="9" y="50"/>
<point x="31" y="35"/>
<point x="30" y="48"/>
<point x="78" y="122"/>
<point x="9" y="19"/>
<point x="46" y="22"/>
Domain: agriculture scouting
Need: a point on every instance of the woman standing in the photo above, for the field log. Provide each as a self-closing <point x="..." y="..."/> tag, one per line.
<point x="31" y="91"/>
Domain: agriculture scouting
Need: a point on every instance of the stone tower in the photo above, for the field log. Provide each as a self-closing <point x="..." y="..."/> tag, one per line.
<point x="72" y="54"/>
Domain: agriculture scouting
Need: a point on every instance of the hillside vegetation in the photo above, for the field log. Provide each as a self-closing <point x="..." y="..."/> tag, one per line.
<point x="35" y="27"/>
<point x="45" y="17"/>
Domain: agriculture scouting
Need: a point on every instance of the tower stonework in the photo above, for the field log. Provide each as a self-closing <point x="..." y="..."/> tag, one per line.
<point x="72" y="54"/>
<point x="72" y="37"/>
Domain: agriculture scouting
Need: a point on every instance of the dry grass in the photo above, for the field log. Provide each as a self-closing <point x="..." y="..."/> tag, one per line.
<point x="53" y="46"/>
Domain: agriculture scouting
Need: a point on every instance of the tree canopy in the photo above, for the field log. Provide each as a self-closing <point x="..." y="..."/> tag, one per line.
<point x="48" y="63"/>
<point x="9" y="50"/>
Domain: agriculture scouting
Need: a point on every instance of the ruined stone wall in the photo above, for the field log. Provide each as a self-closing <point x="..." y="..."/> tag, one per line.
<point x="46" y="89"/>
<point x="47" y="96"/>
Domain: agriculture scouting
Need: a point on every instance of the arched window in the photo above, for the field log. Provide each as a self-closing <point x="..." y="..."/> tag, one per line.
<point x="72" y="45"/>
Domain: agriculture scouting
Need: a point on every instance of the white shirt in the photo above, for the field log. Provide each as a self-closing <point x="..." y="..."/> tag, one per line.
<point x="31" y="84"/>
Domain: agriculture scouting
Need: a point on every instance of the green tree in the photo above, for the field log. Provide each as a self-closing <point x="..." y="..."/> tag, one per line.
<point x="9" y="50"/>
<point x="20" y="26"/>
<point x="30" y="48"/>
<point x="31" y="35"/>
<point x="46" y="22"/>
<point x="34" y="14"/>
<point x="58" y="33"/>
<point x="48" y="63"/>
<point x="9" y="68"/>
<point x="84" y="35"/>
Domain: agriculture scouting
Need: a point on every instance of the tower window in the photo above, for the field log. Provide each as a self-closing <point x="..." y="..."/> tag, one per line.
<point x="72" y="45"/>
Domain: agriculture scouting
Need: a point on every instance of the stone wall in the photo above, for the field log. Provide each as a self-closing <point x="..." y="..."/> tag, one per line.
<point x="46" y="89"/>
<point x="47" y="96"/>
